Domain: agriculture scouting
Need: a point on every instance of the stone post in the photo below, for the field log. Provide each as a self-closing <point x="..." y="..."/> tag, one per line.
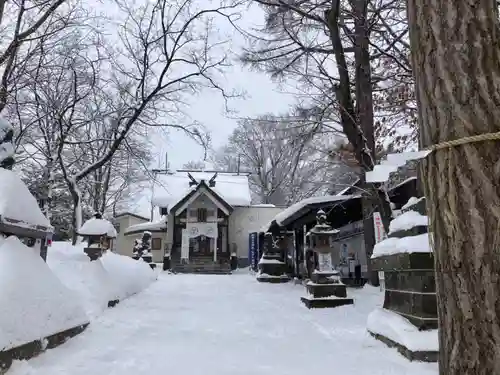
<point x="94" y="249"/>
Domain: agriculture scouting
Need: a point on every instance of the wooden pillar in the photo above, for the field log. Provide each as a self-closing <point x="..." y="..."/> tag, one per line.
<point x="213" y="241"/>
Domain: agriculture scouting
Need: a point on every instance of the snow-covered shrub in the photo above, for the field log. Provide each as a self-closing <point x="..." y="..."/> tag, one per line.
<point x="6" y="144"/>
<point x="142" y="248"/>
<point x="33" y="301"/>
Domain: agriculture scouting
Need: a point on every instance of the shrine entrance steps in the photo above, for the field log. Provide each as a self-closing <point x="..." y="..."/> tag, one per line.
<point x="202" y="265"/>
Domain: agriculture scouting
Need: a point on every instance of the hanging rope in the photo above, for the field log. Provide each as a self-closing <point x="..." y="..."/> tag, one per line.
<point x="465" y="140"/>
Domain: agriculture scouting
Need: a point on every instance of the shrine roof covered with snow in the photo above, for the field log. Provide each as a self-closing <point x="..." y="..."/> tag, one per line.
<point x="170" y="189"/>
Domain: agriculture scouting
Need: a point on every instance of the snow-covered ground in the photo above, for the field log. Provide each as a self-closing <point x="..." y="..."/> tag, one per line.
<point x="226" y="325"/>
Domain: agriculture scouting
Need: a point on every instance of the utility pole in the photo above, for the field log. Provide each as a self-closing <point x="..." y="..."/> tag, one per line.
<point x="156" y="172"/>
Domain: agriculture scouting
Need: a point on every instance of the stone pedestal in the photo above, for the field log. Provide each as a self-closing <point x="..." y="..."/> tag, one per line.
<point x="410" y="287"/>
<point x="410" y="290"/>
<point x="93" y="253"/>
<point x="326" y="290"/>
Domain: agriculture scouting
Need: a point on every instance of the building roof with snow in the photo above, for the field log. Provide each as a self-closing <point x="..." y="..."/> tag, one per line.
<point x="171" y="189"/>
<point x="18" y="207"/>
<point x="149" y="226"/>
<point x="307" y="207"/>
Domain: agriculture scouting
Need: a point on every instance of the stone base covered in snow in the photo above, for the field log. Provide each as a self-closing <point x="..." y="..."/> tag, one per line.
<point x="325" y="302"/>
<point x="410" y="305"/>
<point x="275" y="279"/>
<point x="396" y="331"/>
<point x="325" y="290"/>
<point x="33" y="348"/>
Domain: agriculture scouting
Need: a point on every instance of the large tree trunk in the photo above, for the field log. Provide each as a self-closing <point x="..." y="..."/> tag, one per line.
<point x="456" y="60"/>
<point x="77" y="216"/>
<point x="357" y="116"/>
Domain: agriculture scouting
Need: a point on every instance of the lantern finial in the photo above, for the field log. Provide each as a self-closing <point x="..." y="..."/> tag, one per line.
<point x="321" y="217"/>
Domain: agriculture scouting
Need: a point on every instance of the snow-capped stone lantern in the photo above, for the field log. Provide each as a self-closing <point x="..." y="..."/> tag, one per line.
<point x="20" y="214"/>
<point x="325" y="289"/>
<point x="99" y="234"/>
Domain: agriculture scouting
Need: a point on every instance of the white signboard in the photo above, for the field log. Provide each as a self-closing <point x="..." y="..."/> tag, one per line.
<point x="380" y="235"/>
<point x="185" y="245"/>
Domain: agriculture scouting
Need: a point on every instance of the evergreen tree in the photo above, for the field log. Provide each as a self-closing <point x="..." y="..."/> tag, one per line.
<point x="146" y="247"/>
<point x="137" y="249"/>
<point x="6" y="144"/>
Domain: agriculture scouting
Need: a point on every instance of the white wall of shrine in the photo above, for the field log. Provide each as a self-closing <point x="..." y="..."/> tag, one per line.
<point x="245" y="220"/>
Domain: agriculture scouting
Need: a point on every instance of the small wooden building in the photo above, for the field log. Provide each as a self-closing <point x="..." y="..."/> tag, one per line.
<point x="344" y="213"/>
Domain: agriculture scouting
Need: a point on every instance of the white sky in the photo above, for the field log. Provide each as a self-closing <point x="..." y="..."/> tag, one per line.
<point x="261" y="96"/>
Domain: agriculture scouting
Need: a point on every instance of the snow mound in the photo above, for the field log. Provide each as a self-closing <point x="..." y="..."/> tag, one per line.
<point x="16" y="201"/>
<point x="382" y="172"/>
<point x="412" y="202"/>
<point x="112" y="277"/>
<point x="132" y="276"/>
<point x="398" y="329"/>
<point x="407" y="221"/>
<point x="412" y="244"/>
<point x="88" y="280"/>
<point x="97" y="227"/>
<point x="33" y="301"/>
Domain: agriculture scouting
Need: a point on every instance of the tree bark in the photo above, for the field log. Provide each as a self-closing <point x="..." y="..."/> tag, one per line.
<point x="456" y="59"/>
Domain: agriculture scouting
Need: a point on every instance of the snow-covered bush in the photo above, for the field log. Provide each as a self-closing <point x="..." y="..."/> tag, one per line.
<point x="33" y="301"/>
<point x="112" y="277"/>
<point x="6" y="144"/>
<point x="142" y="247"/>
<point x="137" y="251"/>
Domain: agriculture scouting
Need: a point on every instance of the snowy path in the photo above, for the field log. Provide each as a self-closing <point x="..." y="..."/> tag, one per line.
<point x="225" y="325"/>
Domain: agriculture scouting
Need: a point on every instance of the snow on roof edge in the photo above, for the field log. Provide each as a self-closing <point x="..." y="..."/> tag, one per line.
<point x="148" y="226"/>
<point x="296" y="207"/>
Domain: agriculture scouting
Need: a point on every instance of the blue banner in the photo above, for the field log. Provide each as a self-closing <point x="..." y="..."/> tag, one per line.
<point x="252" y="250"/>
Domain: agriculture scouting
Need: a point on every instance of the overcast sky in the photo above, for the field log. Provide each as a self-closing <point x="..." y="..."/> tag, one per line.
<point x="262" y="96"/>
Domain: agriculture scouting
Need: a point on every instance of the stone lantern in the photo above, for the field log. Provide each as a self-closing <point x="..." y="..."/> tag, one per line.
<point x="272" y="268"/>
<point x="325" y="289"/>
<point x="99" y="234"/>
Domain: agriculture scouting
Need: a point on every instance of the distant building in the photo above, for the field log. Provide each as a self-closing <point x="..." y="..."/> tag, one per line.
<point x="200" y="218"/>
